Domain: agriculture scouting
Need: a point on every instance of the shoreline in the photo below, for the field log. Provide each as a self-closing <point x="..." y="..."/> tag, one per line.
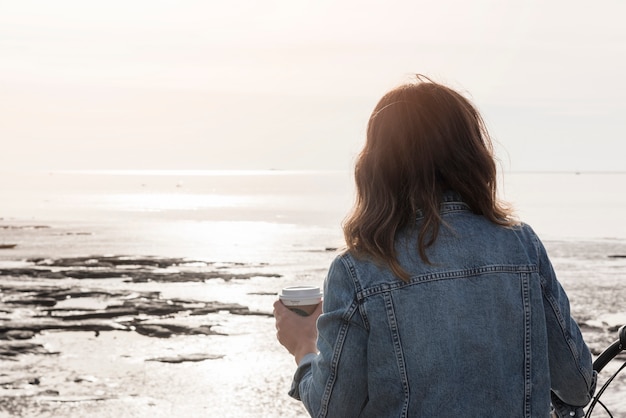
<point x="75" y="342"/>
<point x="71" y="345"/>
<point x="164" y="335"/>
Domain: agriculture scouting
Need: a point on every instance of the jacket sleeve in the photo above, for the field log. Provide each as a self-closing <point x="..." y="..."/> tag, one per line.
<point x="333" y="383"/>
<point x="571" y="371"/>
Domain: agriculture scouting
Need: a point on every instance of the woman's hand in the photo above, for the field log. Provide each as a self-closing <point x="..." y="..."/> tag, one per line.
<point x="298" y="334"/>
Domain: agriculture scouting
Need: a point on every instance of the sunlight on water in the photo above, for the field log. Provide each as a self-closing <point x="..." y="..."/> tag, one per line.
<point x="170" y="201"/>
<point x="232" y="240"/>
<point x="193" y="173"/>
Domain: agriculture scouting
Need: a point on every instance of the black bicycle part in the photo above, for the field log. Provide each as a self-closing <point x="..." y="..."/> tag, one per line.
<point x="613" y="350"/>
<point x="603" y="359"/>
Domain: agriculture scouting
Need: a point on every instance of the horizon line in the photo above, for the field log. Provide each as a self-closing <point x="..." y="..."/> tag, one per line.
<point x="257" y="171"/>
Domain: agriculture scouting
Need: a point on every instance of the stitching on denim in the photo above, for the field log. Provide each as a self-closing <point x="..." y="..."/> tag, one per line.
<point x="349" y="265"/>
<point x="447" y="207"/>
<point x="527" y="343"/>
<point x="561" y="320"/>
<point x="334" y="366"/>
<point x="393" y="325"/>
<point x="566" y="335"/>
<point x="447" y="275"/>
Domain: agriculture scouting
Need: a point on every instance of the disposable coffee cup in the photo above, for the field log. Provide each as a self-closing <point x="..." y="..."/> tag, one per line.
<point x="301" y="299"/>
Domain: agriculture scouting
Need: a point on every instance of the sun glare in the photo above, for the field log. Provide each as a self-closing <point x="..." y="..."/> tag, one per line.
<point x="170" y="201"/>
<point x="242" y="241"/>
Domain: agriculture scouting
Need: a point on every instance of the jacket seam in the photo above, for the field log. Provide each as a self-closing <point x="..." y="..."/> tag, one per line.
<point x="334" y="367"/>
<point x="527" y="345"/>
<point x="349" y="266"/>
<point x="395" y="335"/>
<point x="448" y="275"/>
<point x="561" y="321"/>
<point x="566" y="335"/>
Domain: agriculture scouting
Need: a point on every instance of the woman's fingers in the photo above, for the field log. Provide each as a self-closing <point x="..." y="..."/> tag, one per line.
<point x="296" y="333"/>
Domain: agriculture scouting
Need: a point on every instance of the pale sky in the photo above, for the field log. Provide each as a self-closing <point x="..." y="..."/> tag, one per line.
<point x="289" y="84"/>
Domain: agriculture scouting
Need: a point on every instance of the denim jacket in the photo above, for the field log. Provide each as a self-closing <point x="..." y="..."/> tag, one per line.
<point x="483" y="331"/>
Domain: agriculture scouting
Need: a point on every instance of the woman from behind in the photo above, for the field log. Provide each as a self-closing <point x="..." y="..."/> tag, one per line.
<point x="442" y="304"/>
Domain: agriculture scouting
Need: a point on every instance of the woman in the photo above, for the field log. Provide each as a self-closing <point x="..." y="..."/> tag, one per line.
<point x="442" y="305"/>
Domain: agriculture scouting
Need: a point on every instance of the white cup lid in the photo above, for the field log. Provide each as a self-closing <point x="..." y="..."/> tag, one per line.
<point x="301" y="292"/>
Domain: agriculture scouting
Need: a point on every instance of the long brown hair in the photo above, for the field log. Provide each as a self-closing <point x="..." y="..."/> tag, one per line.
<point x="423" y="138"/>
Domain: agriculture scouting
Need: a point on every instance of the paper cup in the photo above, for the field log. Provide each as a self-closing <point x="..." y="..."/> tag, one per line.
<point x="301" y="299"/>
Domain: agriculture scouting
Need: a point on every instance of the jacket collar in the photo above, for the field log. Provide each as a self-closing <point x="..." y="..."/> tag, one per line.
<point x="451" y="201"/>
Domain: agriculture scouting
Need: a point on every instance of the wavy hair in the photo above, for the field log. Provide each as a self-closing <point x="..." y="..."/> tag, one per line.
<point x="423" y="138"/>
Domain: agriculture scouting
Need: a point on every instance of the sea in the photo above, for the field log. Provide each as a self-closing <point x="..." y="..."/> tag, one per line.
<point x="289" y="223"/>
<point x="266" y="214"/>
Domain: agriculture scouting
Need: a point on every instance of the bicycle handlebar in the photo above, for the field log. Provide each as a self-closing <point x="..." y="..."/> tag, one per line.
<point x="614" y="349"/>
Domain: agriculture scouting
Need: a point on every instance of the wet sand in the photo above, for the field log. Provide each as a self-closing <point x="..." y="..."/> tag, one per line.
<point x="95" y="336"/>
<point x="77" y="340"/>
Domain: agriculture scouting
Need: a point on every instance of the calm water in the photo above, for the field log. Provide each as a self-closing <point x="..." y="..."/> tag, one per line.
<point x="206" y="213"/>
<point x="221" y="216"/>
<point x="286" y="220"/>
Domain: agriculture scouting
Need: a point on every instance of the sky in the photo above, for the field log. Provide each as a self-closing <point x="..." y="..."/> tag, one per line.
<point x="290" y="84"/>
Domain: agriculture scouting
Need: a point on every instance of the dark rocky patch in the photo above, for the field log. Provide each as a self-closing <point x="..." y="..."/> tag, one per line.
<point x="165" y="330"/>
<point x="187" y="357"/>
<point x="132" y="269"/>
<point x="24" y="226"/>
<point x="9" y="350"/>
<point x="113" y="261"/>
<point x="29" y="307"/>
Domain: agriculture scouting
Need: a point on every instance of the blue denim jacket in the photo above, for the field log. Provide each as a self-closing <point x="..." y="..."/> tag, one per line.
<point x="484" y="331"/>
